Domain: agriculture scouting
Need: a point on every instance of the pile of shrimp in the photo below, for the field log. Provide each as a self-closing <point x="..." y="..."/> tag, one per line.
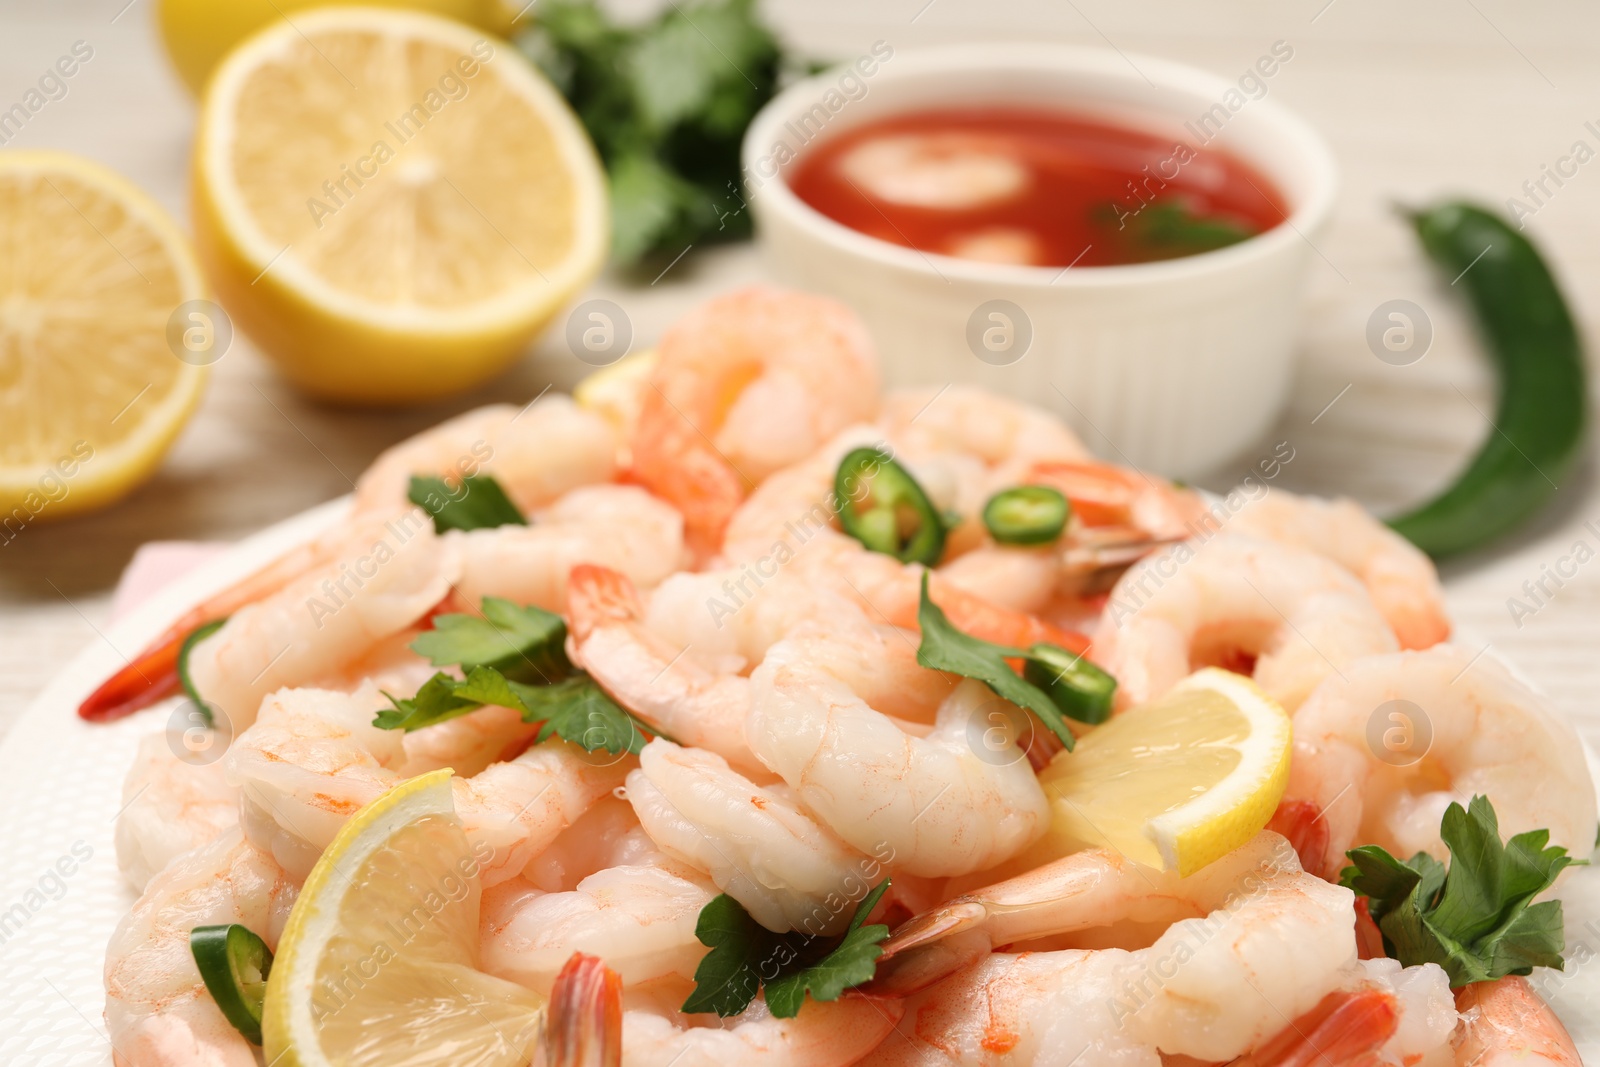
<point x="688" y="539"/>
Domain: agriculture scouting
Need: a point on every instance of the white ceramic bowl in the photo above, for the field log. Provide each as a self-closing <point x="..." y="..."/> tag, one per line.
<point x="1177" y="366"/>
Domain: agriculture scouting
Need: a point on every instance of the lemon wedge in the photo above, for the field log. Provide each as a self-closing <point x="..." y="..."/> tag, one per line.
<point x="1175" y="783"/>
<point x="92" y="394"/>
<point x="378" y="962"/>
<point x="392" y="204"/>
<point x="198" y="33"/>
<point x="616" y="393"/>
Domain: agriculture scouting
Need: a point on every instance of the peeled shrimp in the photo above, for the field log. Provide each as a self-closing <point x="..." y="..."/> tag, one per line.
<point x="170" y="806"/>
<point x="1399" y="577"/>
<point x="536" y="453"/>
<point x="944" y="804"/>
<point x="756" y="844"/>
<point x="640" y="918"/>
<point x="1287" y="616"/>
<point x="1268" y="943"/>
<point x="313" y="759"/>
<point x="158" y="1012"/>
<point x="317" y="625"/>
<point x="1382" y="751"/>
<point x="681" y="664"/>
<point x="746" y="384"/>
<point x="616" y="526"/>
<point x="598" y="1024"/>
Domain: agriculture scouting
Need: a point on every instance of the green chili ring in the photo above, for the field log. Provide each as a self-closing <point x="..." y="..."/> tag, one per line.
<point x="198" y="634"/>
<point x="1027" y="515"/>
<point x="882" y="506"/>
<point x="234" y="964"/>
<point x="1080" y="689"/>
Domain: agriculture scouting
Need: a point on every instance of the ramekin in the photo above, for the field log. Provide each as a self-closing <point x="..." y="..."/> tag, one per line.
<point x="1175" y="366"/>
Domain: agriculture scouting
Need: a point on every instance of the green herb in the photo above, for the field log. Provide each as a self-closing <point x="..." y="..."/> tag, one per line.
<point x="198" y="634"/>
<point x="574" y="709"/>
<point x="945" y="648"/>
<point x="1169" y="228"/>
<point x="744" y="953"/>
<point x="1475" y="919"/>
<point x="526" y="644"/>
<point x="478" y="503"/>
<point x="666" y="102"/>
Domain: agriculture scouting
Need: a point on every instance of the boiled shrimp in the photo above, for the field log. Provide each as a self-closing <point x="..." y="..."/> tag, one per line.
<point x="314" y="627"/>
<point x="1265" y="942"/>
<point x="600" y="1023"/>
<point x="1286" y="616"/>
<point x="536" y="453"/>
<point x="1399" y="577"/>
<point x="314" y="758"/>
<point x="171" y="805"/>
<point x="682" y="663"/>
<point x="1382" y="751"/>
<point x="158" y="1012"/>
<point x="755" y="843"/>
<point x="746" y="384"/>
<point x="617" y="526"/>
<point x="943" y="804"/>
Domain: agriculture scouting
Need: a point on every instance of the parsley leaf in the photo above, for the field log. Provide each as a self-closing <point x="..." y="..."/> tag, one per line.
<point x="526" y="644"/>
<point x="574" y="709"/>
<point x="945" y="648"/>
<point x="666" y="102"/>
<point x="745" y="956"/>
<point x="478" y="503"/>
<point x="1475" y="918"/>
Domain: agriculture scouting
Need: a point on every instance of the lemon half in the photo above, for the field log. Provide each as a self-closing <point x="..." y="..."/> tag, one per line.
<point x="92" y="393"/>
<point x="392" y="204"/>
<point x="1175" y="783"/>
<point x="378" y="962"/>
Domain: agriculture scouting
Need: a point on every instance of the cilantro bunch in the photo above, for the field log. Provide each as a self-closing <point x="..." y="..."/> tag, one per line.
<point x="666" y="103"/>
<point x="1476" y="918"/>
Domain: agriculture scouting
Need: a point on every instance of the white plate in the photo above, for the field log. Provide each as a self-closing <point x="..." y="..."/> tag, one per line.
<point x="61" y="786"/>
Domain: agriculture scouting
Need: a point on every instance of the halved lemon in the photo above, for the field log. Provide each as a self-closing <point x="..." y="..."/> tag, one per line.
<point x="92" y="393"/>
<point x="378" y="962"/>
<point x="1175" y="783"/>
<point x="198" y="33"/>
<point x="392" y="204"/>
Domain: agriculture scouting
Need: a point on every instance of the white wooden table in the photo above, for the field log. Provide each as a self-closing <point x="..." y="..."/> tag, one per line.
<point x="1428" y="97"/>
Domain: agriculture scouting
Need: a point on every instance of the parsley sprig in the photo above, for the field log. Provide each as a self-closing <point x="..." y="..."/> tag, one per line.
<point x="1475" y="918"/>
<point x="743" y="953"/>
<point x="1072" y="687"/>
<point x="477" y="502"/>
<point x="513" y="657"/>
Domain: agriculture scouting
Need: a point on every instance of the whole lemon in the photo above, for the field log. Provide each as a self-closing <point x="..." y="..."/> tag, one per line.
<point x="198" y="33"/>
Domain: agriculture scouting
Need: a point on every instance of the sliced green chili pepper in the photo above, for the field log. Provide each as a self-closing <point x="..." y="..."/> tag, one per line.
<point x="1026" y="515"/>
<point x="200" y="633"/>
<point x="234" y="963"/>
<point x="1539" y="423"/>
<point x="884" y="508"/>
<point x="1080" y="689"/>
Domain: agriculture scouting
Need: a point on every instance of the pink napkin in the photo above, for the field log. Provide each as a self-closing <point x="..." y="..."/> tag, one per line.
<point x="155" y="565"/>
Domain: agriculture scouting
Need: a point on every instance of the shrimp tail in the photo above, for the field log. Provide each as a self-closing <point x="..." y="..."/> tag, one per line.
<point x="598" y="595"/>
<point x="150" y="677"/>
<point x="583" y="1027"/>
<point x="1505" y="1022"/>
<point x="940" y="953"/>
<point x="1344" y="1030"/>
<point x="1307" y="832"/>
